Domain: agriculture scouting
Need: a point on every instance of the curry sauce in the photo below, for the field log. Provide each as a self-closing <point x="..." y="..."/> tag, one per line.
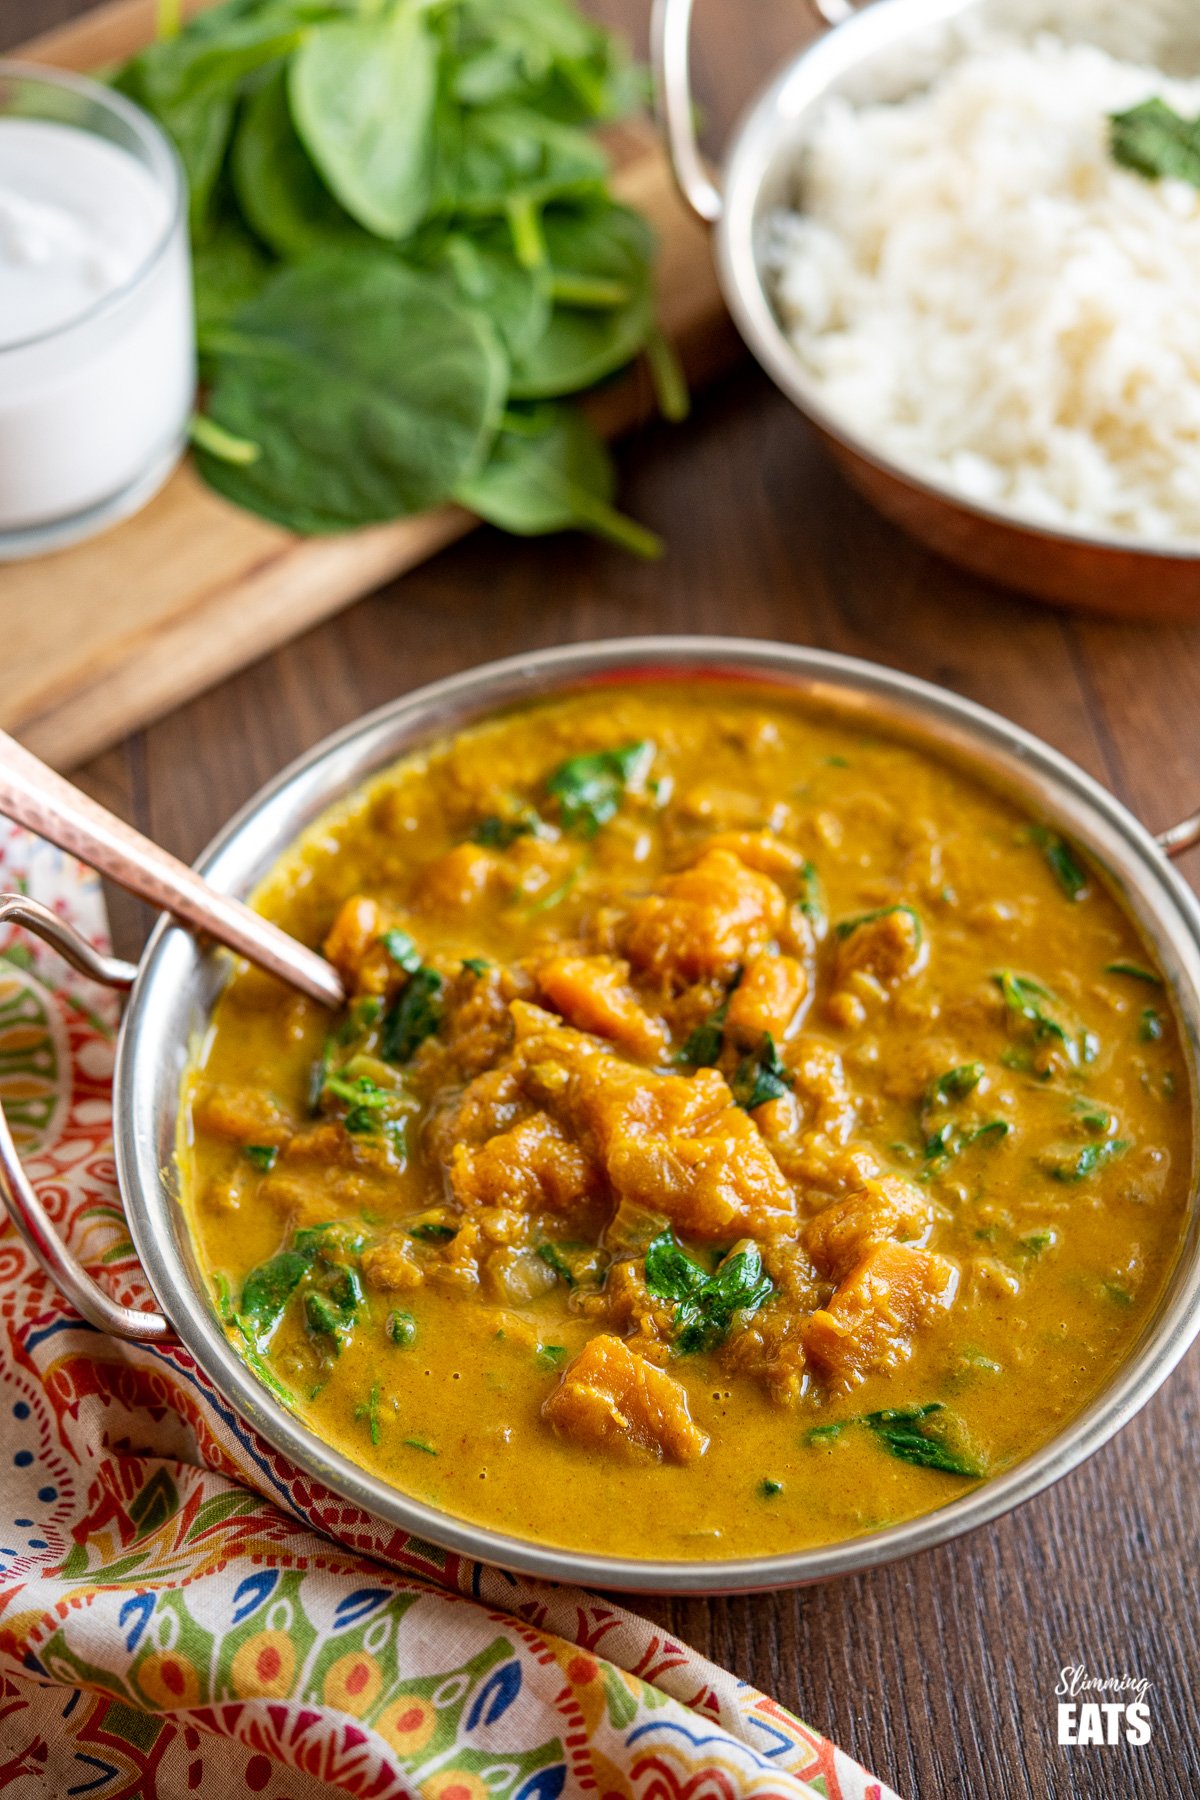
<point x="745" y="1130"/>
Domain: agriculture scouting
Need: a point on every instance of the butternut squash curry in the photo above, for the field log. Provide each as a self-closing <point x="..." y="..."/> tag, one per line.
<point x="746" y="1130"/>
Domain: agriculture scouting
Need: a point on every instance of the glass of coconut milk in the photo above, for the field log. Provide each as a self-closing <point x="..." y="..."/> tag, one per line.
<point x="97" y="342"/>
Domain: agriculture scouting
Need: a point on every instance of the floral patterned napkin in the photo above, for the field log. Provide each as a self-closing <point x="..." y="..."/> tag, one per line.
<point x="182" y="1611"/>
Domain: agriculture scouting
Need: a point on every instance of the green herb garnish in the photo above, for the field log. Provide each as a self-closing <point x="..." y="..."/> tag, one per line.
<point x="810" y="897"/>
<point x="951" y="1140"/>
<point x="768" y="1488"/>
<point x="929" y="1436"/>
<point x="705" y="1305"/>
<point x="1029" y="1000"/>
<point x="432" y="1231"/>
<point x="267" y="1290"/>
<point x="924" y="1435"/>
<point x="955" y="1084"/>
<point x="400" y="1329"/>
<point x="1157" y="142"/>
<point x="371" y="1411"/>
<point x="415" y="1016"/>
<point x="263" y="1156"/>
<point x="553" y="1259"/>
<point x="364" y="1100"/>
<point x="761" y="1077"/>
<point x="816" y="1435"/>
<point x="415" y="1443"/>
<point x="1062" y="862"/>
<point x="322" y="1259"/>
<point x="476" y="965"/>
<point x="702" y="1046"/>
<point x="589" y="789"/>
<point x="402" y="950"/>
<point x="496" y="833"/>
<point x="1077" y="1163"/>
<point x="1151" y="1027"/>
<point x="1134" y="971"/>
<point x="550" y="1355"/>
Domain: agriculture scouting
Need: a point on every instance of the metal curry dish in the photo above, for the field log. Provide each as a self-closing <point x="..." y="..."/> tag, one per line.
<point x="751" y="1129"/>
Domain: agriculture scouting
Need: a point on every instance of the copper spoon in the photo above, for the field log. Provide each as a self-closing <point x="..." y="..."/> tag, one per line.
<point x="34" y="796"/>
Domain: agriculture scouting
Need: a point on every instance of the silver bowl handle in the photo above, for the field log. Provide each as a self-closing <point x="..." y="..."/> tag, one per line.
<point x="25" y="1209"/>
<point x="670" y="35"/>
<point x="1181" y="837"/>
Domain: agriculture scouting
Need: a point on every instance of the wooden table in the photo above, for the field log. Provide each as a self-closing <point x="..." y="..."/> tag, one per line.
<point x="940" y="1672"/>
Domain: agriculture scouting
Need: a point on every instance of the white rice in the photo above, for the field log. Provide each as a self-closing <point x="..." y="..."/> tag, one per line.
<point x="988" y="299"/>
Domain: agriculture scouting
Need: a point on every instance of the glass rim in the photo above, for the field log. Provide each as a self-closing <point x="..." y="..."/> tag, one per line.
<point x="165" y="166"/>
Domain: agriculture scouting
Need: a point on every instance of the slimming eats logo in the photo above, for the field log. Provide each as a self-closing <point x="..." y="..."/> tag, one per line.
<point x="1102" y="1709"/>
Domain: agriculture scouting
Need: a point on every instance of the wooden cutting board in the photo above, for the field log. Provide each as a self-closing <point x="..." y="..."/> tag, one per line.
<point x="104" y="637"/>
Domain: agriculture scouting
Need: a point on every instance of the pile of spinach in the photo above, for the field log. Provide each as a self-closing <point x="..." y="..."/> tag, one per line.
<point x="407" y="260"/>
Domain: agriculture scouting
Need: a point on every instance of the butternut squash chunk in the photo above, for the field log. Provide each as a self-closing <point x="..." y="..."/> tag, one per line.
<point x="612" y="1400"/>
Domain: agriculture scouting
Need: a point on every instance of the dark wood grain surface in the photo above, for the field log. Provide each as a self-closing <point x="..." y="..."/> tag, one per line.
<point x="940" y="1672"/>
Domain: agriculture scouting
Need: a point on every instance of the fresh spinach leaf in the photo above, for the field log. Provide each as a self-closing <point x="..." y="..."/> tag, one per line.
<point x="670" y="1272"/>
<point x="809" y="896"/>
<point x="761" y="1077"/>
<point x="362" y="94"/>
<point x="356" y="423"/>
<point x="402" y="950"/>
<point x="481" y="266"/>
<point x="1049" y="1020"/>
<point x="280" y="193"/>
<point x="497" y="833"/>
<point x="553" y="1258"/>
<point x="268" y="1289"/>
<point x="955" y="1084"/>
<point x="581" y="345"/>
<point x="589" y="788"/>
<point x="1077" y="1162"/>
<point x="415" y="1016"/>
<point x="925" y="1435"/>
<point x="553" y="473"/>
<point x="401" y="1329"/>
<point x="539" y="53"/>
<point x="705" y="1304"/>
<point x="511" y="163"/>
<point x="191" y="84"/>
<point x="1062" y="862"/>
<point x="1135" y="971"/>
<point x="228" y="270"/>
<point x="739" y="1285"/>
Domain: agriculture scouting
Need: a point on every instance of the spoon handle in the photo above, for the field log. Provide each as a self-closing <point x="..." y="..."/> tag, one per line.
<point x="34" y="796"/>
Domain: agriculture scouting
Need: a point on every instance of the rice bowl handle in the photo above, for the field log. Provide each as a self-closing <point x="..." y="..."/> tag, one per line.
<point x="34" y="796"/>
